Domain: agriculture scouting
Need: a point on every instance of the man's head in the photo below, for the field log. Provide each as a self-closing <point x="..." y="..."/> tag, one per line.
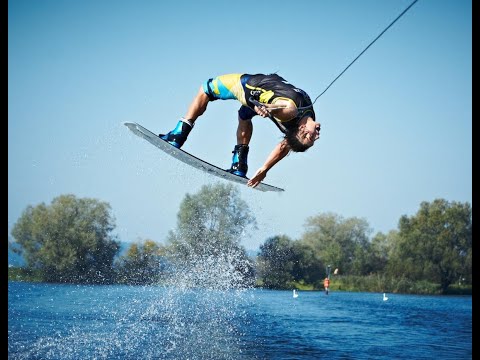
<point x="304" y="131"/>
<point x="304" y="135"/>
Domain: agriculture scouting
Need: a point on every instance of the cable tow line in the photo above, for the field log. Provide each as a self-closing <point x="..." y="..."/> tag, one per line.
<point x="398" y="17"/>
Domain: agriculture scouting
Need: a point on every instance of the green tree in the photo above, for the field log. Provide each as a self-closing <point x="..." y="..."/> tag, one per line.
<point x="69" y="240"/>
<point x="308" y="267"/>
<point x="141" y="264"/>
<point x="275" y="262"/>
<point x="436" y="243"/>
<point x="344" y="243"/>
<point x="210" y="226"/>
<point x="381" y="249"/>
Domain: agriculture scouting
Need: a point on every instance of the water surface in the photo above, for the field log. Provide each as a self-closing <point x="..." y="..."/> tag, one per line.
<point x="48" y="321"/>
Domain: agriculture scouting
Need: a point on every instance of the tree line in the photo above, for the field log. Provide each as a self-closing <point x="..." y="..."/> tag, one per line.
<point x="71" y="241"/>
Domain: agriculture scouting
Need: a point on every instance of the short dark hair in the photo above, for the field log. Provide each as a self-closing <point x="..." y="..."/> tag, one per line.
<point x="293" y="142"/>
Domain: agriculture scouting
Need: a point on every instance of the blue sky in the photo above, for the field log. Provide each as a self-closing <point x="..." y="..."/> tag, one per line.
<point x="396" y="127"/>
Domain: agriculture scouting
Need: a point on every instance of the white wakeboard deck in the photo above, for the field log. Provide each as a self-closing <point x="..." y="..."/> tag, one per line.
<point x="191" y="160"/>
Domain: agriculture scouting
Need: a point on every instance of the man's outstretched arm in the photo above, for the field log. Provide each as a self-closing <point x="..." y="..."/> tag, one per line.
<point x="278" y="153"/>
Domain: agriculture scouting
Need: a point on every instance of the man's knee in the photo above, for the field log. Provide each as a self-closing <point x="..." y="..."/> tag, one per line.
<point x="207" y="89"/>
<point x="245" y="113"/>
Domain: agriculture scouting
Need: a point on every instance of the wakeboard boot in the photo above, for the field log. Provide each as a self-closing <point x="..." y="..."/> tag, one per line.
<point x="239" y="160"/>
<point x="179" y="135"/>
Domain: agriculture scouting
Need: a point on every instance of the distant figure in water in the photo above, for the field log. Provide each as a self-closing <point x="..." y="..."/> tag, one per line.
<point x="295" y="294"/>
<point x="326" y="284"/>
<point x="385" y="298"/>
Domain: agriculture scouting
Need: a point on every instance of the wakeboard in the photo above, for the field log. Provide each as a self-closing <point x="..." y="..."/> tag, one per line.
<point x="191" y="160"/>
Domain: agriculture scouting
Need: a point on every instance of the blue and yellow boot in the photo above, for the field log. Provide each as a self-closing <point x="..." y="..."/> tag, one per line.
<point x="239" y="160"/>
<point x="177" y="136"/>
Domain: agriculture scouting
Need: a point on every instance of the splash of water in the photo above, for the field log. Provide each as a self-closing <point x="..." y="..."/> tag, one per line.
<point x="200" y="311"/>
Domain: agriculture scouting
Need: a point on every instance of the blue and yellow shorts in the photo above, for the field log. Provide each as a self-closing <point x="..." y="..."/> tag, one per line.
<point x="229" y="87"/>
<point x="226" y="87"/>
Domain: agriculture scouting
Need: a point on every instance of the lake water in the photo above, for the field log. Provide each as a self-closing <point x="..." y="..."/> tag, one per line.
<point x="48" y="321"/>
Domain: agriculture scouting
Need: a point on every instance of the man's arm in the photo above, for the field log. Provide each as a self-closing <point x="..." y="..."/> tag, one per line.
<point x="278" y="153"/>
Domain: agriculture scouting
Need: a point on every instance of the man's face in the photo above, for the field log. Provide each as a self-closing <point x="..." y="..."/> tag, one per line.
<point x="309" y="132"/>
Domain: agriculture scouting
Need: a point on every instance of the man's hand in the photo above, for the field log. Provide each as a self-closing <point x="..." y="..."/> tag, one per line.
<point x="257" y="178"/>
<point x="262" y="110"/>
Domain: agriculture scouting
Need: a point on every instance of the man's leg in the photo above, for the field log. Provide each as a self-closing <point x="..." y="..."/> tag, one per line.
<point x="244" y="131"/>
<point x="197" y="106"/>
<point x="178" y="136"/>
<point x="222" y="87"/>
